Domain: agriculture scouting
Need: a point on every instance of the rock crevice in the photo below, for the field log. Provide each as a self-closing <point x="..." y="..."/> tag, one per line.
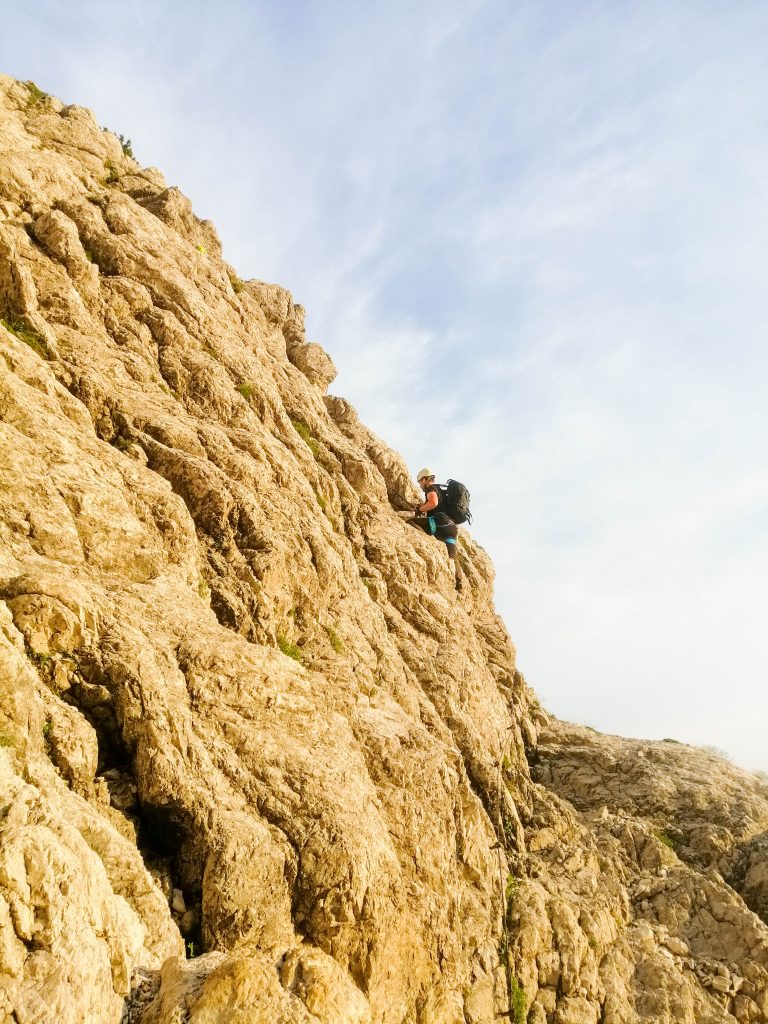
<point x="258" y="760"/>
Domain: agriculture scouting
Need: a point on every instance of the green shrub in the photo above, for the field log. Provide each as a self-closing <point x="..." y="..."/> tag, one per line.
<point x="6" y="741"/>
<point x="126" y="144"/>
<point x="36" y="94"/>
<point x="43" y="661"/>
<point x="290" y="650"/>
<point x="335" y="639"/>
<point x="112" y="176"/>
<point x="47" y="728"/>
<point x="667" y="840"/>
<point x="237" y="283"/>
<point x="28" y="335"/>
<point x="246" y="391"/>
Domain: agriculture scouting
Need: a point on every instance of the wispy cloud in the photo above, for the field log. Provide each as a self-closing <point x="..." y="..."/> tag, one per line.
<point x="531" y="236"/>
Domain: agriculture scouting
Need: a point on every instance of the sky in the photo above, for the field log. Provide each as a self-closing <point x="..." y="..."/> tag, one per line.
<point x="532" y="236"/>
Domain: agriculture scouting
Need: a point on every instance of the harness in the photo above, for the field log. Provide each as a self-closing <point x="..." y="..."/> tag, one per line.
<point x="433" y="530"/>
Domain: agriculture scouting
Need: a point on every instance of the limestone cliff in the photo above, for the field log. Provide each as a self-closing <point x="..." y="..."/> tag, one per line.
<point x="258" y="761"/>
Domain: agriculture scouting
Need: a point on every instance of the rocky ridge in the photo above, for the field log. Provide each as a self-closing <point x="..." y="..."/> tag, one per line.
<point x="259" y="761"/>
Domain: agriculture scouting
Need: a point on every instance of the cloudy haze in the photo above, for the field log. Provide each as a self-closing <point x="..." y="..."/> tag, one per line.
<point x="533" y="238"/>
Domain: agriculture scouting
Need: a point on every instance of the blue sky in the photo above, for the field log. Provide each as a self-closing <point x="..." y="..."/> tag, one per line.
<point x="533" y="238"/>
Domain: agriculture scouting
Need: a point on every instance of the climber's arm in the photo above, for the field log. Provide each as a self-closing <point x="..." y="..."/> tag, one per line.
<point x="430" y="504"/>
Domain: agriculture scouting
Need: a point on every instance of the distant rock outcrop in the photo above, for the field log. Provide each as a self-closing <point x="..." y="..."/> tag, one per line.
<point x="258" y="761"/>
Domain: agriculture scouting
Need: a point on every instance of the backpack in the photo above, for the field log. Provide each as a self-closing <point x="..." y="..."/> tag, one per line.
<point x="454" y="501"/>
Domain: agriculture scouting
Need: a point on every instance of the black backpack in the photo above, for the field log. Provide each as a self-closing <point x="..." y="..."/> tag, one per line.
<point x="455" y="502"/>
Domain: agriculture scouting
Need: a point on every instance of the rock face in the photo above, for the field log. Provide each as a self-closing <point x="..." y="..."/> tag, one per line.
<point x="258" y="761"/>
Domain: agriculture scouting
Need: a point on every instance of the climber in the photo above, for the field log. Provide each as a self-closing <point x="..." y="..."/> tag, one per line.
<point x="436" y="522"/>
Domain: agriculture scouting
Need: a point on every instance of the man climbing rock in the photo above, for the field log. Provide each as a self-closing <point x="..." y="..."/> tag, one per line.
<point x="432" y="520"/>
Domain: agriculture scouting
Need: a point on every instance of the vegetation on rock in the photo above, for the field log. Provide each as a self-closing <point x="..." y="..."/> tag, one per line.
<point x="194" y="825"/>
<point x="27" y="334"/>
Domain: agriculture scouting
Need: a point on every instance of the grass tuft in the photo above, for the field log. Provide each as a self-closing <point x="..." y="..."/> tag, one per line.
<point x="516" y="990"/>
<point x="237" y="283"/>
<point x="301" y="429"/>
<point x="7" y="741"/>
<point x="305" y="434"/>
<point x="667" y="840"/>
<point x="43" y="661"/>
<point x="335" y="639"/>
<point x="511" y="888"/>
<point x="246" y="391"/>
<point x="36" y="94"/>
<point x="28" y="335"/>
<point x="517" y="1000"/>
<point x="510" y="835"/>
<point x="290" y="650"/>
